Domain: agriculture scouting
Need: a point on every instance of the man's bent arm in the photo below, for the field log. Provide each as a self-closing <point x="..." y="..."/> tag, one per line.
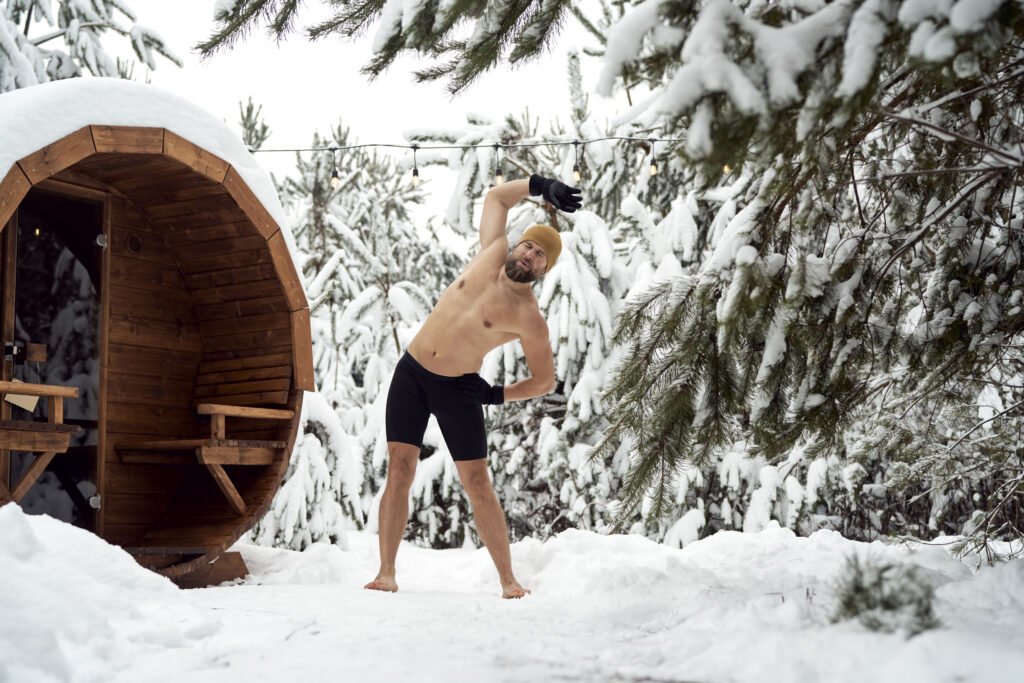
<point x="499" y="199"/>
<point x="537" y="350"/>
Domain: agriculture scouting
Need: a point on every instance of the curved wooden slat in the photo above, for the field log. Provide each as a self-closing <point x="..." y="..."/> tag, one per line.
<point x="250" y="205"/>
<point x="302" y="350"/>
<point x="284" y="266"/>
<point x="128" y="139"/>
<point x="13" y="189"/>
<point x="195" y="157"/>
<point x="54" y="158"/>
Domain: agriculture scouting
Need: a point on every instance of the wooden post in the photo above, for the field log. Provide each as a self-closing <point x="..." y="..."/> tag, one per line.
<point x="8" y="271"/>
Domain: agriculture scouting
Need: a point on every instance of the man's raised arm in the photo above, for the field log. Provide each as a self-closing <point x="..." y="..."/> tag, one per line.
<point x="499" y="199"/>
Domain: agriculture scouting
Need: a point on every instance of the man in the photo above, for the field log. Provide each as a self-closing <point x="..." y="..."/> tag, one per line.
<point x="490" y="303"/>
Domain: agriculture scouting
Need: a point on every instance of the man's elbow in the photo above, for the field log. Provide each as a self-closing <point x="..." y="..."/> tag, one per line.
<point x="548" y="386"/>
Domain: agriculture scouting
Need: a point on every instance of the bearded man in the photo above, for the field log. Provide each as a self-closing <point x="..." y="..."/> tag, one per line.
<point x="491" y="303"/>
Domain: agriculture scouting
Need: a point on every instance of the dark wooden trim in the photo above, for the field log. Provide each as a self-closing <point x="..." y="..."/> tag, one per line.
<point x="195" y="157"/>
<point x="284" y="266"/>
<point x="251" y="206"/>
<point x="13" y="189"/>
<point x="63" y="153"/>
<point x="104" y="352"/>
<point x="302" y="350"/>
<point x="128" y="139"/>
<point x="8" y="276"/>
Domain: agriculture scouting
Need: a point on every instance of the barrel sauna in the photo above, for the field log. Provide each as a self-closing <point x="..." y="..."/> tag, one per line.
<point x="173" y="434"/>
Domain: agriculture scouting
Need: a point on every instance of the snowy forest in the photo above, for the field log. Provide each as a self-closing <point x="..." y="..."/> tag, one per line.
<point x="792" y="294"/>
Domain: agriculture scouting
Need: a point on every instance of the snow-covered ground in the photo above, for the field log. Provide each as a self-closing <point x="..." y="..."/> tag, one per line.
<point x="733" y="607"/>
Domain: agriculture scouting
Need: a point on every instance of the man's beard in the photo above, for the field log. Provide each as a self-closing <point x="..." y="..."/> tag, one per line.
<point x="517" y="273"/>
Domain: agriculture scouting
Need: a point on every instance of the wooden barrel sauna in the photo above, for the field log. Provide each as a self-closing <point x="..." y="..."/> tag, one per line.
<point x="197" y="345"/>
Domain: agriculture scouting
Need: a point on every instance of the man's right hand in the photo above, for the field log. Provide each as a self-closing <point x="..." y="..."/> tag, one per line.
<point x="561" y="196"/>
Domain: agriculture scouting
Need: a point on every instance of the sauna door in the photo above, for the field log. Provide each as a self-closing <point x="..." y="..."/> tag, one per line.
<point x="52" y="265"/>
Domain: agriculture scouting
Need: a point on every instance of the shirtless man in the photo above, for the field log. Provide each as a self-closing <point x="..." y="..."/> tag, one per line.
<point x="490" y="303"/>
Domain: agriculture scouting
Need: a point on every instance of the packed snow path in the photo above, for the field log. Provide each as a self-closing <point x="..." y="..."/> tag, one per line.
<point x="733" y="607"/>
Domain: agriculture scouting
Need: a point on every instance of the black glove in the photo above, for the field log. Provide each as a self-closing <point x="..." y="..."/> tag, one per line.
<point x="477" y="388"/>
<point x="560" y="195"/>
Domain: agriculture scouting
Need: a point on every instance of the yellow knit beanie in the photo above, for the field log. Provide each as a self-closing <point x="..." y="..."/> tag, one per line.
<point x="548" y="239"/>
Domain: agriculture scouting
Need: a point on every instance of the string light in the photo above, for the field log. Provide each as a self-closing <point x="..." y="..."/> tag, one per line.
<point x="499" y="177"/>
<point x="37" y="232"/>
<point x="415" y="168"/>
<point x="726" y="170"/>
<point x="335" y="176"/>
<point x="576" y="174"/>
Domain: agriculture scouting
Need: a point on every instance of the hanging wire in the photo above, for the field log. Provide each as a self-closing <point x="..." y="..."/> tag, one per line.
<point x="542" y="143"/>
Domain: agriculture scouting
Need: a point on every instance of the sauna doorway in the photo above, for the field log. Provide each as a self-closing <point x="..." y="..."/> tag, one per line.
<point x="52" y="281"/>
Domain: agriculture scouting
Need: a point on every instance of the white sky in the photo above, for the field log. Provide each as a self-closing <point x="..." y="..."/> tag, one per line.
<point x="306" y="86"/>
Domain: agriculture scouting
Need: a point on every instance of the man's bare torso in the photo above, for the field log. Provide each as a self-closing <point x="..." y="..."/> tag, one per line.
<point x="475" y="314"/>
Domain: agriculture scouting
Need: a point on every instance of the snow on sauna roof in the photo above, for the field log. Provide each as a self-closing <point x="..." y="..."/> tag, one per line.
<point x="34" y="117"/>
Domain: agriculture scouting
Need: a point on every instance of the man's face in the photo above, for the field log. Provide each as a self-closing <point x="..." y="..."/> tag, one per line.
<point x="526" y="262"/>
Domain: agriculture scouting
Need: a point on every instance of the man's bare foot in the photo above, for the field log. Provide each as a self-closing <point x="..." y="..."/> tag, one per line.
<point x="513" y="590"/>
<point x="383" y="583"/>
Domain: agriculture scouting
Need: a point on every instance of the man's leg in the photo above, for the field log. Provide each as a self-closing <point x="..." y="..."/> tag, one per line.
<point x="394" y="511"/>
<point x="490" y="522"/>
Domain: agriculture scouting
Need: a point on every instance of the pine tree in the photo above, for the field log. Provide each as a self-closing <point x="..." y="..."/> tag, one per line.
<point x="73" y="44"/>
<point x="871" y="261"/>
<point x="503" y="30"/>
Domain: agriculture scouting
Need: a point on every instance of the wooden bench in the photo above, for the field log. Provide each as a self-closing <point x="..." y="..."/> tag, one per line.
<point x="45" y="438"/>
<point x="213" y="452"/>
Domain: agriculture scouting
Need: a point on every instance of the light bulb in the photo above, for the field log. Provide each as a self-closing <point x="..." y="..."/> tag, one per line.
<point x="654" y="167"/>
<point x="37" y="232"/>
<point x="499" y="177"/>
<point x="415" y="177"/>
<point x="576" y="172"/>
<point x="335" y="179"/>
<point x="726" y="170"/>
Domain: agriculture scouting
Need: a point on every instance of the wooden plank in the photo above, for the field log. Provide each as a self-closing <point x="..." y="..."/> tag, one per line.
<point x="154" y="334"/>
<point x="183" y="232"/>
<point x="211" y="266"/>
<point x="302" y="348"/>
<point x="13" y="189"/>
<point x="148" y="362"/>
<point x="188" y="252"/>
<point x="246" y="324"/>
<point x="131" y="388"/>
<point x="244" y="411"/>
<point x="147" y="275"/>
<point x="230" y="276"/>
<point x="62" y="154"/>
<point x="227" y="488"/>
<point x="251" y="340"/>
<point x="223" y="390"/>
<point x="72" y="182"/>
<point x="128" y="139"/>
<point x="286" y="273"/>
<point x="125" y="214"/>
<point x="100" y="517"/>
<point x="265" y="398"/>
<point x="139" y="303"/>
<point x="245" y="362"/>
<point x="227" y="567"/>
<point x="195" y="157"/>
<point x="28" y="479"/>
<point x="25" y="425"/>
<point x="241" y="308"/>
<point x="28" y="389"/>
<point x="249" y="290"/>
<point x="118" y="169"/>
<point x="129" y="243"/>
<point x="166" y="457"/>
<point x="136" y="418"/>
<point x="206" y="220"/>
<point x="190" y="207"/>
<point x="276" y="372"/>
<point x="24" y="440"/>
<point x="250" y="205"/>
<point x="213" y="455"/>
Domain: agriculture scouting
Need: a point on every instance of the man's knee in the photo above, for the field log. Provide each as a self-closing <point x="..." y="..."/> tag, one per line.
<point x="475" y="478"/>
<point x="402" y="459"/>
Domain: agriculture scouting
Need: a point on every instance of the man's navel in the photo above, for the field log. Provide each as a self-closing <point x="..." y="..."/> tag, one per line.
<point x="462" y="283"/>
<point x="487" y="323"/>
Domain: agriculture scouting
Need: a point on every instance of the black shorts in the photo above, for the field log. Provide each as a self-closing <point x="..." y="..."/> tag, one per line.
<point x="416" y="393"/>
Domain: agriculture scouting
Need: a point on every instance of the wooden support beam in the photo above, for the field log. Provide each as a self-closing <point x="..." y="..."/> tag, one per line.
<point x="63" y="153"/>
<point x="244" y="411"/>
<point x="286" y="272"/>
<point x="227" y="488"/>
<point x="33" y="441"/>
<point x="249" y="204"/>
<point x="248" y="455"/>
<point x="195" y="157"/>
<point x="217" y="426"/>
<point x="13" y="189"/>
<point x="37" y="467"/>
<point x="128" y="139"/>
<point x="302" y="350"/>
